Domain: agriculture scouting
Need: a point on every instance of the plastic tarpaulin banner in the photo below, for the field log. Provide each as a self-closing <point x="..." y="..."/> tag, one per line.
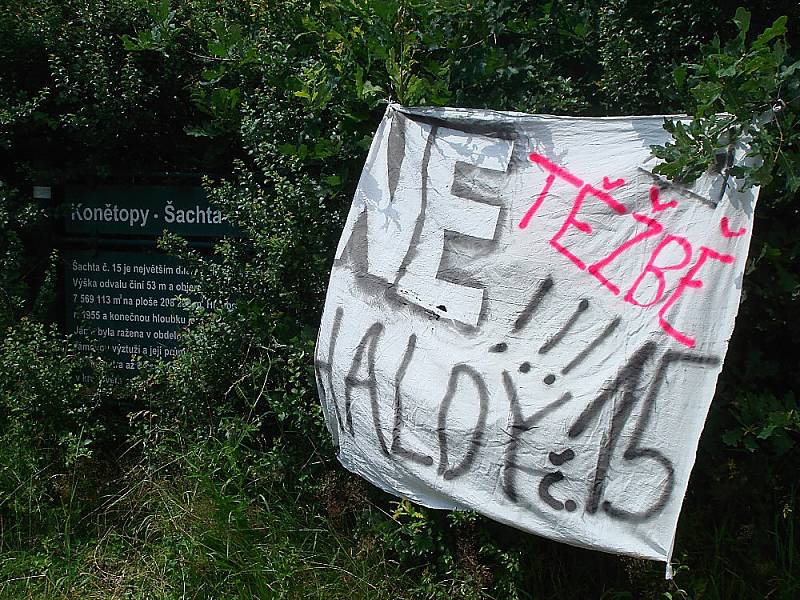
<point x="523" y="320"/>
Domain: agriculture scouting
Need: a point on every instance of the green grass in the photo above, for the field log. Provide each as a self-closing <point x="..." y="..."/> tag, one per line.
<point x="177" y="539"/>
<point x="216" y="520"/>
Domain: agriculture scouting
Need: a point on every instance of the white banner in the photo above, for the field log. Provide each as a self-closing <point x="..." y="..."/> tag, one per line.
<point x="523" y="320"/>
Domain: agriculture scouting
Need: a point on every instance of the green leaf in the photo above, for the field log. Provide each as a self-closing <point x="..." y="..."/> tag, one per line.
<point x="129" y="44"/>
<point x="159" y="11"/>
<point x="385" y="10"/>
<point x="770" y="33"/>
<point x="789" y="71"/>
<point x="732" y="437"/>
<point x="324" y="149"/>
<point x="742" y="21"/>
<point x="359" y="81"/>
<point x="679" y="74"/>
<point x="370" y="90"/>
<point x="766" y="432"/>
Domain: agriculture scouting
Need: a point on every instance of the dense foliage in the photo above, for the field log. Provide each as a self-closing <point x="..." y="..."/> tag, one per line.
<point x="212" y="475"/>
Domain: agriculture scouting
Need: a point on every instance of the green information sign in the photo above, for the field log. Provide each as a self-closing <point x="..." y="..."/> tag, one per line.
<point x="130" y="305"/>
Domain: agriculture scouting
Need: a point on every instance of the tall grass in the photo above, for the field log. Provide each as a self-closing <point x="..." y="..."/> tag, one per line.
<point x="186" y="531"/>
<point x="231" y="516"/>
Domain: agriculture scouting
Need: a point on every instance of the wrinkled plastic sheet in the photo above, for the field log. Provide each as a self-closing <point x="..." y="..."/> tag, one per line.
<point x="525" y="321"/>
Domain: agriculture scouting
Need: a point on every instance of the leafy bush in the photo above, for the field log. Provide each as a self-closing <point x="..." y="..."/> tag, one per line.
<point x="277" y="103"/>
<point x="48" y="426"/>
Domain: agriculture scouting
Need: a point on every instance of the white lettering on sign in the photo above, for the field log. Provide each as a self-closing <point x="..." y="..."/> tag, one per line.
<point x="138" y="217"/>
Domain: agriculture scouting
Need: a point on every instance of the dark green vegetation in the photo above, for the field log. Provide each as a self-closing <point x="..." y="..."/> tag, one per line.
<point x="212" y="476"/>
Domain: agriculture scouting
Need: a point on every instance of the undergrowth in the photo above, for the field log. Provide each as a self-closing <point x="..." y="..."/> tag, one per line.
<point x="212" y="476"/>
